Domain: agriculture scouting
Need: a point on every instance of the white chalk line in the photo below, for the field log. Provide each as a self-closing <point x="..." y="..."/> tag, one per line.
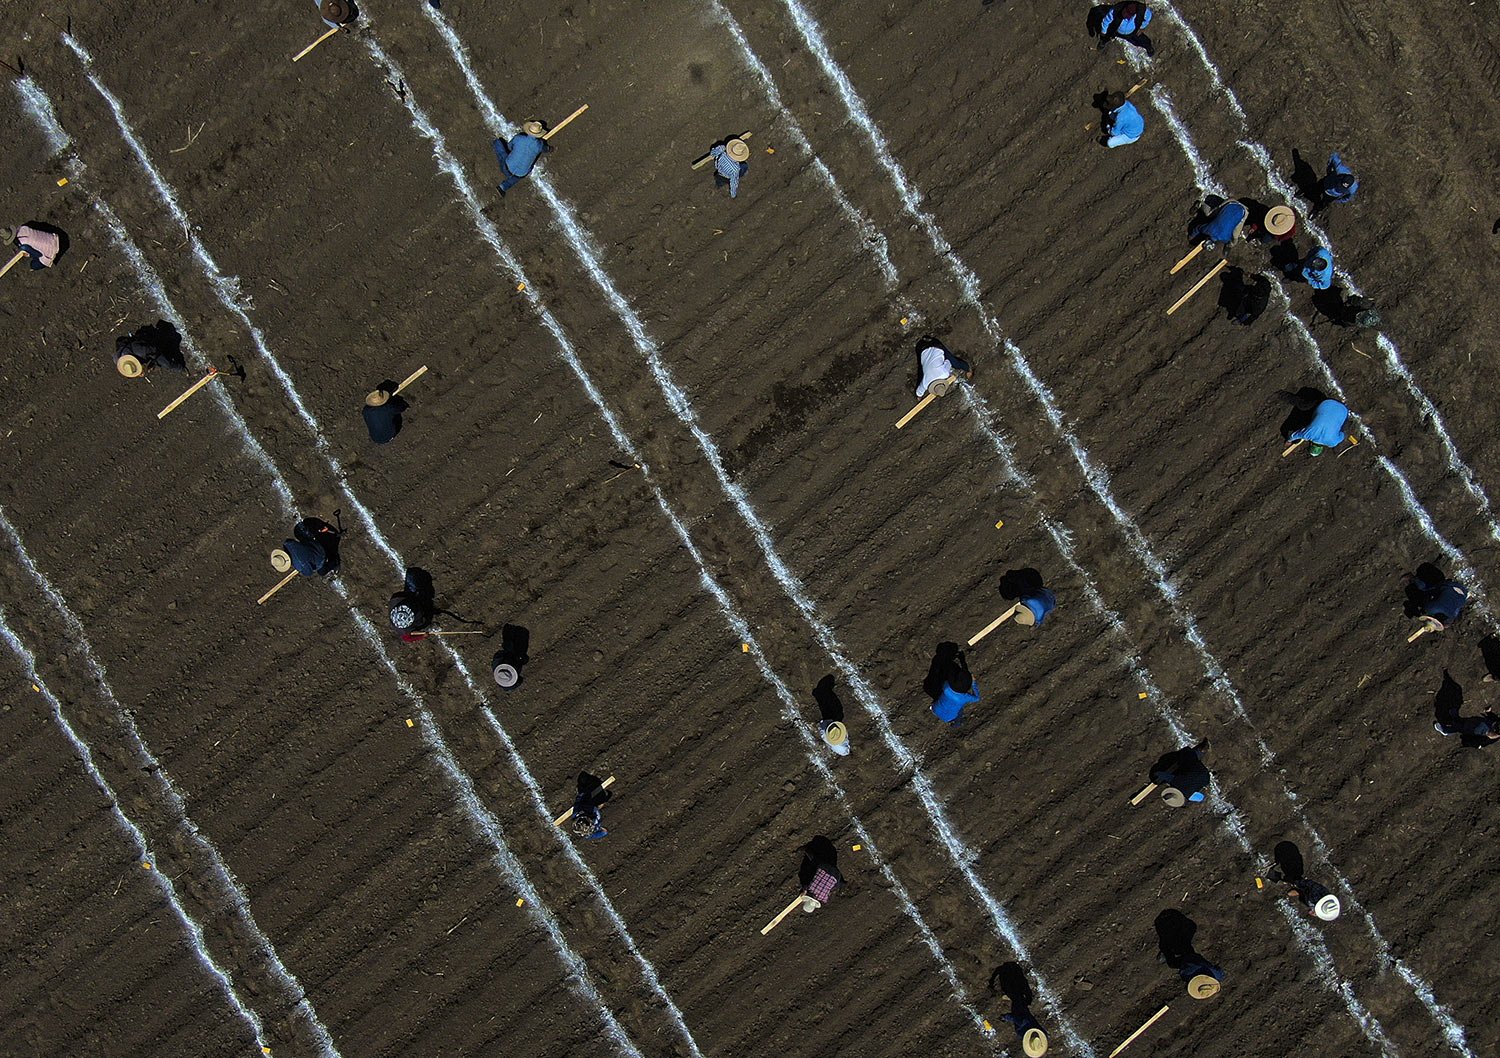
<point x="144" y="854"/>
<point x="480" y="817"/>
<point x="1098" y="480"/>
<point x="963" y="856"/>
<point x="1394" y="362"/>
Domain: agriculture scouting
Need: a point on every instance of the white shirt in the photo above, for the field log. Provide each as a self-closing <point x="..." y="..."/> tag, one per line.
<point x="935" y="367"/>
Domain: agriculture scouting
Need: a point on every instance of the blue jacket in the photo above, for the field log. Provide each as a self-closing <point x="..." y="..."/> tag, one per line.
<point x="1223" y="224"/>
<point x="522" y="153"/>
<point x="310" y="560"/>
<point x="1041" y="604"/>
<point x="1126" y="25"/>
<point x="950" y="703"/>
<point x="1126" y="121"/>
<point x="1335" y="188"/>
<point x="1327" y="427"/>
<point x="1318" y="278"/>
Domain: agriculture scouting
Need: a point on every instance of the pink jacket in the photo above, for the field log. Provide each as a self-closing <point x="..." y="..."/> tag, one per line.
<point x="43" y="242"/>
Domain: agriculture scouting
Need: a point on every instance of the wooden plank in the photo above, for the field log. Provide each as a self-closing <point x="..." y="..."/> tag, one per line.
<point x="701" y="162"/>
<point x="769" y="926"/>
<point x="1152" y="1020"/>
<point x="996" y="623"/>
<point x="560" y="820"/>
<point x="315" y="43"/>
<point x="1215" y="270"/>
<point x="563" y="123"/>
<point x="909" y="416"/>
<point x="282" y="583"/>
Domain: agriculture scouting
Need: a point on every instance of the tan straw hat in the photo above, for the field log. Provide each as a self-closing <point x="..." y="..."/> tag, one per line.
<point x="1034" y="1043"/>
<point x="1024" y="616"/>
<point x="1327" y="908"/>
<point x="1173" y="796"/>
<point x="7" y="235"/>
<point x="810" y="903"/>
<point x="738" y="149"/>
<point x="1280" y="220"/>
<point x="336" y="11"/>
<point x="129" y="366"/>
<point x="942" y="386"/>
<point x="835" y="734"/>
<point x="377" y="397"/>
<point x="532" y="128"/>
<point x="1203" y="987"/>
<point x="280" y="561"/>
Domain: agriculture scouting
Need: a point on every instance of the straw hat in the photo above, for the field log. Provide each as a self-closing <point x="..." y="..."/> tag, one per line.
<point x="1173" y="796"/>
<point x="810" y="904"/>
<point x="532" y="128"/>
<point x="377" y="397"/>
<point x="1034" y="1043"/>
<point x="280" y="561"/>
<point x="129" y="366"/>
<point x="7" y="235"/>
<point x="506" y="675"/>
<point x="1202" y="986"/>
<point x="942" y="385"/>
<point x="1024" y="616"/>
<point x="1327" y="908"/>
<point x="336" y="11"/>
<point x="1280" y="220"/>
<point x="738" y="149"/>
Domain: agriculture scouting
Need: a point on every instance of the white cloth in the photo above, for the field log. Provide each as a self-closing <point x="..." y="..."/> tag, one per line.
<point x="935" y="367"/>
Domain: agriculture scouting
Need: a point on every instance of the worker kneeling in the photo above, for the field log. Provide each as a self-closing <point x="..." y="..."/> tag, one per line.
<point x="313" y="551"/>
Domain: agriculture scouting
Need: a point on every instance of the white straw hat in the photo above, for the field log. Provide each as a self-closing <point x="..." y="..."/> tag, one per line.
<point x="1034" y="1043"/>
<point x="1327" y="908"/>
<point x="1203" y="986"/>
<point x="738" y="149"/>
<point x="280" y="561"/>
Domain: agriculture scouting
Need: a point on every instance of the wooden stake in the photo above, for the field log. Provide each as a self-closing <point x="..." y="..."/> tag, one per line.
<point x="701" y="162"/>
<point x="1215" y="270"/>
<point x="1131" y="1038"/>
<point x="627" y="470"/>
<point x="466" y="632"/>
<point x="769" y="926"/>
<point x="315" y="43"/>
<point x="909" y="416"/>
<point x="282" y="583"/>
<point x="1138" y="798"/>
<point x="560" y="820"/>
<point x="213" y="373"/>
<point x="996" y="623"/>
<point x="563" y="123"/>
<point x="12" y="262"/>
<point x="1421" y="632"/>
<point x="1133" y="89"/>
<point x="1194" y="252"/>
<point x="1293" y="447"/>
<point x="1352" y="442"/>
<point x="418" y="373"/>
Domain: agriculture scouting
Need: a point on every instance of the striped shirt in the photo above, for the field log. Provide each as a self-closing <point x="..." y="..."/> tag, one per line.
<point x="728" y="168"/>
<point x="43" y="242"/>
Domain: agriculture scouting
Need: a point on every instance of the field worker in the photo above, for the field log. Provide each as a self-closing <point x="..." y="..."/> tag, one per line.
<point x="588" y="821"/>
<point x="43" y="247"/>
<point x="959" y="689"/>
<point x="1222" y="226"/>
<point x="1320" y="903"/>
<point x="155" y="345"/>
<point x="1316" y="269"/>
<point x="412" y="608"/>
<point x="1028" y="1030"/>
<point x="1478" y="732"/>
<point x="1278" y="225"/>
<point x="835" y="736"/>
<point x="382" y="412"/>
<point x="519" y="156"/>
<point x="819" y="874"/>
<point x="1123" y="123"/>
<point x="940" y="368"/>
<point x="314" y="551"/>
<point x="1183" y="776"/>
<point x="1036" y="606"/>
<point x="1340" y="183"/>
<point x="1326" y="429"/>
<point x="1126" y="22"/>
<point x="731" y="160"/>
<point x="1439" y="601"/>
<point x="336" y="12"/>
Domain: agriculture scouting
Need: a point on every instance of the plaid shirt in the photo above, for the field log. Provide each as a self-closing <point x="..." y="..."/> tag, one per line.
<point x="822" y="886"/>
<point x="728" y="168"/>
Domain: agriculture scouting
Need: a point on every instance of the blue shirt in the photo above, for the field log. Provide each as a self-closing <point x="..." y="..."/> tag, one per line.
<point x="1327" y="426"/>
<point x="950" y="703"/>
<point x="307" y="559"/>
<point x="1224" y="223"/>
<point x="1334" y="188"/>
<point x="728" y="168"/>
<point x="1319" y="278"/>
<point x="522" y="153"/>
<point x="1126" y="122"/>
<point x="1124" y="27"/>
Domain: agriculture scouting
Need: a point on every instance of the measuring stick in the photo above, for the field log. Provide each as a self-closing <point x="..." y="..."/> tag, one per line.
<point x="1133" y="89"/>
<point x="560" y="820"/>
<point x="315" y="43"/>
<point x="1138" y="798"/>
<point x="701" y="162"/>
<point x="282" y="583"/>
<point x="213" y="373"/>
<point x="909" y="416"/>
<point x="424" y="635"/>
<point x="1420" y="632"/>
<point x="12" y="262"/>
<point x="1215" y="270"/>
<point x="1131" y="1038"/>
<point x="996" y="623"/>
<point x="1194" y="252"/>
<point x="418" y="373"/>
<point x="563" y="123"/>
<point x="1352" y="442"/>
<point x="1292" y="448"/>
<point x="769" y="926"/>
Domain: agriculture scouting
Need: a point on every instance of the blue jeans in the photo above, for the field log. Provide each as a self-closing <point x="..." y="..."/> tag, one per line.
<point x="502" y="155"/>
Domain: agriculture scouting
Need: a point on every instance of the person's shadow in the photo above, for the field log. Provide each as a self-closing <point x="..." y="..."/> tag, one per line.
<point x="1489" y="650"/>
<point x="945" y="659"/>
<point x="1289" y="865"/>
<point x="830" y="708"/>
<point x="819" y="851"/>
<point x="1020" y="583"/>
<point x="1305" y="178"/>
<point x="1010" y="981"/>
<point x="1174" y="937"/>
<point x="1428" y="573"/>
<point x="1448" y="701"/>
<point x="1285" y="252"/>
<point x="1101" y="104"/>
<point x="1330" y="304"/>
<point x="1243" y="297"/>
<point x="165" y="339"/>
<point x="1304" y="406"/>
<point x="1178" y="759"/>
